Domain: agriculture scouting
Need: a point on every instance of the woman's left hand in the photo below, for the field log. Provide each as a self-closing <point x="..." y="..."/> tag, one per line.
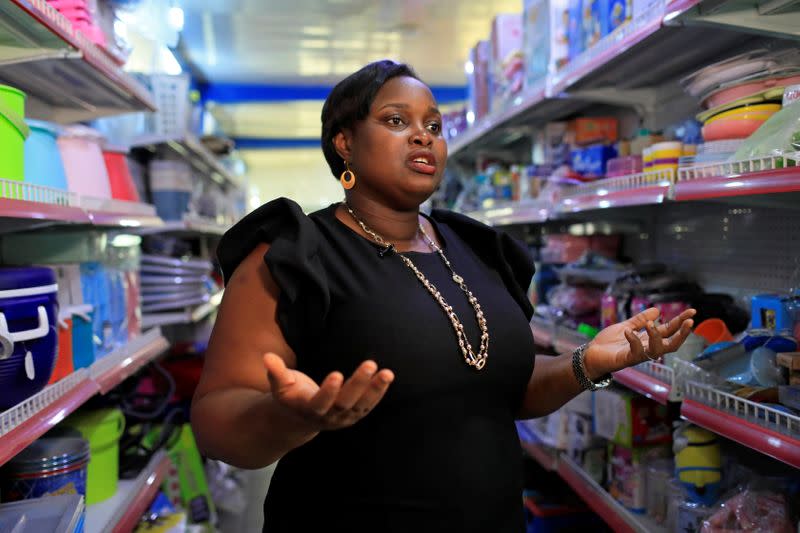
<point x="621" y="345"/>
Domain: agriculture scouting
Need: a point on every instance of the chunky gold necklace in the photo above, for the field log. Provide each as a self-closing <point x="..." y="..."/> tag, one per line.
<point x="476" y="361"/>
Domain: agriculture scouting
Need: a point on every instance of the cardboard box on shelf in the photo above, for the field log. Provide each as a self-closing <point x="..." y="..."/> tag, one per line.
<point x="478" y="81"/>
<point x="594" y="130"/>
<point x="630" y="419"/>
<point x="626" y="473"/>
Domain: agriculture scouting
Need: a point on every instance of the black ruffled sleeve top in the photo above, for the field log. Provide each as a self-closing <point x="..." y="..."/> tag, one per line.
<point x="440" y="452"/>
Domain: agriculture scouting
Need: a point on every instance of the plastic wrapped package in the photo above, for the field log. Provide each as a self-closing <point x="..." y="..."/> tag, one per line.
<point x="750" y="510"/>
<point x="777" y="136"/>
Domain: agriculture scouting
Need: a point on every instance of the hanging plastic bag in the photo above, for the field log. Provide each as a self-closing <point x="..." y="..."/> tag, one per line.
<point x="779" y="135"/>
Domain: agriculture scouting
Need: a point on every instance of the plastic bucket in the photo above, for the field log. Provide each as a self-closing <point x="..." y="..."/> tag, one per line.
<point x="64" y="364"/>
<point x="119" y="175"/>
<point x="713" y="331"/>
<point x="13" y="132"/>
<point x="47" y="467"/>
<point x="43" y="164"/>
<point x="103" y="429"/>
<point x="83" y="162"/>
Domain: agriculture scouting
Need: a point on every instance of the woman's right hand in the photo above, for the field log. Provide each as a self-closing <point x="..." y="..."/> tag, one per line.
<point x="335" y="403"/>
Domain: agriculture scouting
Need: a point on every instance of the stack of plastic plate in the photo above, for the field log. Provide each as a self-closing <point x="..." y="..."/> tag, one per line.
<point x="169" y="283"/>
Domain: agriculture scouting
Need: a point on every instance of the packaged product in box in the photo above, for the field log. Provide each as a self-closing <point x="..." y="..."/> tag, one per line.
<point x="536" y="39"/>
<point x="771" y="311"/>
<point x="506" y="36"/>
<point x="627" y="471"/>
<point x="506" y="63"/>
<point x="587" y="131"/>
<point x="581" y="404"/>
<point x="576" y="43"/>
<point x="556" y="151"/>
<point x="559" y="34"/>
<point x="630" y="419"/>
<point x="647" y="9"/>
<point x="615" y="14"/>
<point x="593" y="160"/>
<point x="592" y="20"/>
<point x="478" y="81"/>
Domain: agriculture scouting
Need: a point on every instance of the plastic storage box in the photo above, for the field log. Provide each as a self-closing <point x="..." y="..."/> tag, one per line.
<point x="54" y="514"/>
<point x="28" y="337"/>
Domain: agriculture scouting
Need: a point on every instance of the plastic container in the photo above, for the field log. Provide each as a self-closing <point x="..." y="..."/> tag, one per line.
<point x="55" y="514"/>
<point x="64" y="364"/>
<point x="171" y="188"/>
<point x="171" y="96"/>
<point x="713" y="330"/>
<point x="624" y="166"/>
<point x="28" y="338"/>
<point x="738" y="123"/>
<point x="119" y="175"/>
<point x="43" y="164"/>
<point x="48" y="466"/>
<point x="81" y="150"/>
<point x="96" y="285"/>
<point x="83" y="345"/>
<point x="103" y="429"/>
<point x="13" y="132"/>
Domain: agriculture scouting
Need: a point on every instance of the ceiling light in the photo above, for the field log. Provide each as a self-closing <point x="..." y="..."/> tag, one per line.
<point x="175" y="18"/>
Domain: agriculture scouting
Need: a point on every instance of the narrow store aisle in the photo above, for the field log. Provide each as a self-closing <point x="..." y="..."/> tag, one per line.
<point x="645" y="153"/>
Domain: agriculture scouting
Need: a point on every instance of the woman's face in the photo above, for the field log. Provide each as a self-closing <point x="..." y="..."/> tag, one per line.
<point x="397" y="152"/>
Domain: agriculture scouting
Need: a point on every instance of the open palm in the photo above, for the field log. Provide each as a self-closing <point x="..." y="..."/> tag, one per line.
<point x="636" y="340"/>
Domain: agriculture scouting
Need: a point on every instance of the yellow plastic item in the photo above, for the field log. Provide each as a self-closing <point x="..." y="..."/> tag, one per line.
<point x="751" y="112"/>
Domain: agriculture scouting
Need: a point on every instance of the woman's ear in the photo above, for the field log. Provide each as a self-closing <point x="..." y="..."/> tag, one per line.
<point x="342" y="144"/>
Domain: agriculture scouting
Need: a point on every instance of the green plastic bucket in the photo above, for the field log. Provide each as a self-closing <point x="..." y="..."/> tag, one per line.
<point x="103" y="429"/>
<point x="13" y="132"/>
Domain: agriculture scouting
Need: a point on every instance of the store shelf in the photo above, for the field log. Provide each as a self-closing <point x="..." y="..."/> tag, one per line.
<point x="765" y="175"/>
<point x="186" y="316"/>
<point x="637" y="189"/>
<point x="512" y="213"/>
<point x="121" y="512"/>
<point x="116" y="367"/>
<point x="567" y="340"/>
<point x="639" y="380"/>
<point x="602" y="503"/>
<point x="547" y="457"/>
<point x="767" y="430"/>
<point x="29" y="420"/>
<point x="189" y="226"/>
<point x="190" y="149"/>
<point x="68" y="78"/>
<point x="39" y="205"/>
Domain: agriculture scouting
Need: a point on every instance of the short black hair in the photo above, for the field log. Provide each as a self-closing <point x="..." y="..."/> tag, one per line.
<point x="350" y="101"/>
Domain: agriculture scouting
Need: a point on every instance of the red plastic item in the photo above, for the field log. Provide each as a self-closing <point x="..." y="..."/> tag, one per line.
<point x="119" y="175"/>
<point x="63" y="366"/>
<point x="713" y="330"/>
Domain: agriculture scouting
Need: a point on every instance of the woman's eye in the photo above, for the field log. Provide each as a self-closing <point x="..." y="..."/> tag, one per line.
<point x="435" y="127"/>
<point x="395" y="121"/>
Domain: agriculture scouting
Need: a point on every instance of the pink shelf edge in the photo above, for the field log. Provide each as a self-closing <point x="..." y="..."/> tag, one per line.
<point x="20" y="437"/>
<point x="776" y="445"/>
<point x="546" y="459"/>
<point x="587" y="493"/>
<point x="24" y="209"/>
<point x="143" y="499"/>
<point x="764" y="182"/>
<point x="644" y="384"/>
<point x="129" y="366"/>
<point x="630" y="197"/>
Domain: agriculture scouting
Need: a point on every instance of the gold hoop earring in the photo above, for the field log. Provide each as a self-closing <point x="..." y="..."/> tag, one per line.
<point x="348" y="179"/>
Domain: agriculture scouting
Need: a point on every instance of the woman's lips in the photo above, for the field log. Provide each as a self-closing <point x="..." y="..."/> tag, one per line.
<point x="422" y="161"/>
<point x="422" y="168"/>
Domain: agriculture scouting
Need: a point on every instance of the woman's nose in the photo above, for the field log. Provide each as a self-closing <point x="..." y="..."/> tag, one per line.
<point x="421" y="137"/>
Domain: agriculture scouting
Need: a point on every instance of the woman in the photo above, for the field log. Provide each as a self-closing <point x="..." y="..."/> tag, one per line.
<point x="381" y="354"/>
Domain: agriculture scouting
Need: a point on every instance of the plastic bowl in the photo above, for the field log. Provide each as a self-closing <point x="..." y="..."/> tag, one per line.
<point x="713" y="331"/>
